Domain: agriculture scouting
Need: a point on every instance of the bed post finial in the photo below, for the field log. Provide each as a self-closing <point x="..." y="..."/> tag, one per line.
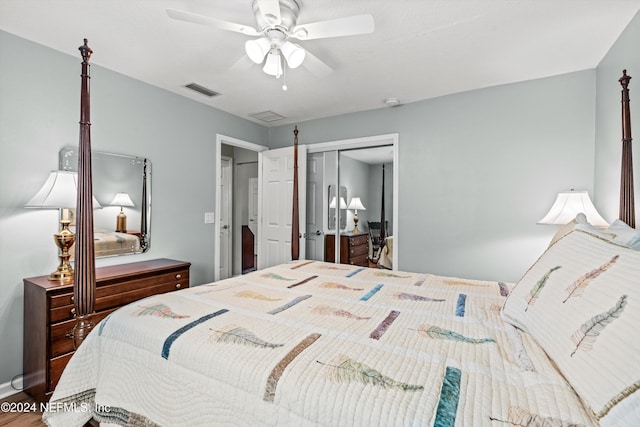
<point x="85" y="51"/>
<point x="627" y="203"/>
<point x="295" y="214"/>
<point x="85" y="276"/>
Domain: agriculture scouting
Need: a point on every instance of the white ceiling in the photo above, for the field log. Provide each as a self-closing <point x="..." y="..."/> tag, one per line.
<point x="420" y="48"/>
<point x="371" y="155"/>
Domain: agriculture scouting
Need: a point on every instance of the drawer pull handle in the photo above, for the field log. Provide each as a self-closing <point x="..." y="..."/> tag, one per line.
<point x="178" y="276"/>
<point x="73" y="298"/>
<point x="73" y="311"/>
<point x="178" y="285"/>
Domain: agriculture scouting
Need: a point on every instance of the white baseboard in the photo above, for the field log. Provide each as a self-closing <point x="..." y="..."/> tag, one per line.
<point x="6" y="390"/>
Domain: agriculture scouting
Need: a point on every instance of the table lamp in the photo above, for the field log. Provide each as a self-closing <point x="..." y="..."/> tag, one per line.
<point x="121" y="199"/>
<point x="568" y="204"/>
<point x="59" y="192"/>
<point x="356" y="204"/>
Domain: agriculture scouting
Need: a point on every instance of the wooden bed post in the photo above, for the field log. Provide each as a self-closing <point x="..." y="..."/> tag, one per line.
<point x="295" y="216"/>
<point x="627" y="208"/>
<point x="383" y="228"/>
<point x="85" y="276"/>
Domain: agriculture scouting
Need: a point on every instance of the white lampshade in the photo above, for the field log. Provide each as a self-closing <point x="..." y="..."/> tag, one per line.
<point x="343" y="204"/>
<point x="293" y="53"/>
<point x="356" y="204"/>
<point x="568" y="204"/>
<point x="122" y="199"/>
<point x="58" y="192"/>
<point x="257" y="49"/>
<point x="272" y="65"/>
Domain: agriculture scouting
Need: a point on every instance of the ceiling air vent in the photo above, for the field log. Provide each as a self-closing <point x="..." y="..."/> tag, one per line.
<point x="267" y="116"/>
<point x="201" y="89"/>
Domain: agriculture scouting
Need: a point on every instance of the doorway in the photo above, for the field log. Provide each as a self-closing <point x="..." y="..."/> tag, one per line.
<point x="236" y="161"/>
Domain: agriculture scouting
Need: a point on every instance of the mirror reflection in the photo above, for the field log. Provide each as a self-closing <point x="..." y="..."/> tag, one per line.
<point x="122" y="186"/>
<point x="334" y="202"/>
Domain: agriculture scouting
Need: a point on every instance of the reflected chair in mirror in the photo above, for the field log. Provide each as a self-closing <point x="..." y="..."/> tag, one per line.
<point x="376" y="239"/>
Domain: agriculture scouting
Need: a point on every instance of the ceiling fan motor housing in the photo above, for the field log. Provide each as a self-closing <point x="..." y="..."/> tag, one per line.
<point x="289" y="11"/>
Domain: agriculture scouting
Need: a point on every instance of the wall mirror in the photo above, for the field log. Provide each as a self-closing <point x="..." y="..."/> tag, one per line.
<point x="334" y="203"/>
<point x="122" y="186"/>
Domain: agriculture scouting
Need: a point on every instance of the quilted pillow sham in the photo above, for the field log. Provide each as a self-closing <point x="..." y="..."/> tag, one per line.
<point x="581" y="302"/>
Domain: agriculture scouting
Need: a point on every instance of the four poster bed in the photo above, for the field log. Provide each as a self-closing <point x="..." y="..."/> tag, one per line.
<point x="313" y="343"/>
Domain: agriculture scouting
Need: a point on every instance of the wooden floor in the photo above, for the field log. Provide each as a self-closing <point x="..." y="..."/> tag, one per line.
<point x="21" y="419"/>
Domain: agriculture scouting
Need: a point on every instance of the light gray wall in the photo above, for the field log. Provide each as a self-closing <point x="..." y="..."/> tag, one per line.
<point x="39" y="114"/>
<point x="623" y="55"/>
<point x="476" y="170"/>
<point x="354" y="175"/>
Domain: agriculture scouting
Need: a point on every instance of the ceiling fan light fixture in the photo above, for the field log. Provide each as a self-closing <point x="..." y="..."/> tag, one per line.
<point x="257" y="49"/>
<point x="272" y="65"/>
<point x="293" y="53"/>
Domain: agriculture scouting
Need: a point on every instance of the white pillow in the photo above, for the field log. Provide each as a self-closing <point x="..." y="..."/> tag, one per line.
<point x="581" y="303"/>
<point x="580" y="223"/>
<point x="623" y="234"/>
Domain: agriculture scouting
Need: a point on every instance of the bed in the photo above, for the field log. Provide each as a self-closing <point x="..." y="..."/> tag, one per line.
<point x="114" y="243"/>
<point x="313" y="343"/>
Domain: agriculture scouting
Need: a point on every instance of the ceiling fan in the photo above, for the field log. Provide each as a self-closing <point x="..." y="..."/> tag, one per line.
<point x="276" y="24"/>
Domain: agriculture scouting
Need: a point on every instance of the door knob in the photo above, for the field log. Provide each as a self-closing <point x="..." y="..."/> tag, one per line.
<point x="225" y="227"/>
<point x="318" y="233"/>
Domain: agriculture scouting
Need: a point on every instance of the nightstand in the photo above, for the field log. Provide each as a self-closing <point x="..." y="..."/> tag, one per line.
<point x="354" y="248"/>
<point x="48" y="313"/>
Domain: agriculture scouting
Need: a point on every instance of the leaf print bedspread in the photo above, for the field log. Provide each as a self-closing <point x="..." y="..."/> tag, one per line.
<point x="316" y="344"/>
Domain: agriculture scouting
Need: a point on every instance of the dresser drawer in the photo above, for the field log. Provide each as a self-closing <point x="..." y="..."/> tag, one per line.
<point x="362" y="260"/>
<point x="355" y="251"/>
<point x="61" y="343"/>
<point x="56" y="366"/>
<point x="118" y="294"/>
<point x="359" y="239"/>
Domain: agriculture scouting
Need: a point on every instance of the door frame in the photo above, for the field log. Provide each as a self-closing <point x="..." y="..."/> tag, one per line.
<point x="365" y="142"/>
<point x="227" y="140"/>
<point x="228" y="161"/>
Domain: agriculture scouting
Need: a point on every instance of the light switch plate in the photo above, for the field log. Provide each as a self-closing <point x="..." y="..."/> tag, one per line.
<point x="209" y="218"/>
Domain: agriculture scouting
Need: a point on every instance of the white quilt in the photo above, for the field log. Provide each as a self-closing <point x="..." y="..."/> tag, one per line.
<point x="312" y="343"/>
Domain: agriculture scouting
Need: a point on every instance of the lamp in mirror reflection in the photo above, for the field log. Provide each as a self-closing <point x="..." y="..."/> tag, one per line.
<point x="343" y="204"/>
<point x="568" y="204"/>
<point x="60" y="192"/>
<point x="354" y="205"/>
<point x="122" y="200"/>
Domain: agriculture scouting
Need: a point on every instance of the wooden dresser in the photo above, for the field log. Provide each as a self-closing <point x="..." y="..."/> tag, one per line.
<point x="354" y="249"/>
<point x="48" y="313"/>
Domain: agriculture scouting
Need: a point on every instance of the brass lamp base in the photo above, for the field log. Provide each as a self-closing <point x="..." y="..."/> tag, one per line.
<point x="121" y="222"/>
<point x="355" y="224"/>
<point x="64" y="240"/>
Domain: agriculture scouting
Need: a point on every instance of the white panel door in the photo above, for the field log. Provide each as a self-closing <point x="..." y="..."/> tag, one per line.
<point x="253" y="211"/>
<point x="277" y="202"/>
<point x="314" y="226"/>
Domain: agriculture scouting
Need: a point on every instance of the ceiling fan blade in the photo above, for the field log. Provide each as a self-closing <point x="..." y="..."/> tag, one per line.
<point x="194" y="18"/>
<point x="348" y="26"/>
<point x="241" y="65"/>
<point x="270" y="10"/>
<point x="316" y="66"/>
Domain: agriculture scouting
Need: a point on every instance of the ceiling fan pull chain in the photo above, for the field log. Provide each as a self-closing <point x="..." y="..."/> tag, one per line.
<point x="284" y="76"/>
